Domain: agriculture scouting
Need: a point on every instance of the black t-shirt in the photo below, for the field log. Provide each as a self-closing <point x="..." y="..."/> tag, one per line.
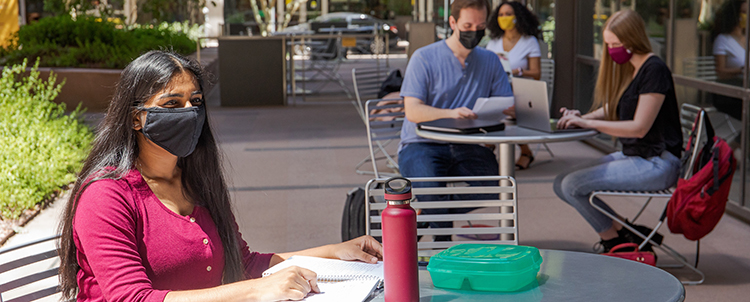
<point x="665" y="134"/>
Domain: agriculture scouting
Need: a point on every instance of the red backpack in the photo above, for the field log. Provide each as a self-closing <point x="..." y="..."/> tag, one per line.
<point x="698" y="203"/>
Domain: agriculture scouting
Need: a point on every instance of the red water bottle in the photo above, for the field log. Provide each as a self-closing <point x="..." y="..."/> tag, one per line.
<point x="400" y="243"/>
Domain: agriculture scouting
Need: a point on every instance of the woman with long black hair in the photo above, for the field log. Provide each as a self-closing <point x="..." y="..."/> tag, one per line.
<point x="150" y="218"/>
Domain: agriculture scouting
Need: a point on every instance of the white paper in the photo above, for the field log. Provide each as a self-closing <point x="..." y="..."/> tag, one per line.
<point x="352" y="290"/>
<point x="338" y="280"/>
<point x="492" y="108"/>
<point x="332" y="268"/>
<point x="506" y="63"/>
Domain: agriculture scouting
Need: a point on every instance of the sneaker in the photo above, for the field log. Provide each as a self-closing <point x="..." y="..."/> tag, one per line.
<point x="604" y="246"/>
<point x="632" y="237"/>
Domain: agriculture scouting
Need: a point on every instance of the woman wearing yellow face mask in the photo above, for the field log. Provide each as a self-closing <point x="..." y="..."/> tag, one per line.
<point x="729" y="55"/>
<point x="513" y="29"/>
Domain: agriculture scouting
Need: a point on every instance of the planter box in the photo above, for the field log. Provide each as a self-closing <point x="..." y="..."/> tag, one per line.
<point x="92" y="87"/>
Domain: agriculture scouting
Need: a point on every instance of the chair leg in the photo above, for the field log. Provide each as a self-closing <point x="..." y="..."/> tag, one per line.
<point x="546" y="148"/>
<point x="391" y="161"/>
<point x="641" y="210"/>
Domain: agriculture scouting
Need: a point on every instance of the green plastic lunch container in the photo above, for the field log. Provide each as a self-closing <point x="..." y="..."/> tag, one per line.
<point x="485" y="267"/>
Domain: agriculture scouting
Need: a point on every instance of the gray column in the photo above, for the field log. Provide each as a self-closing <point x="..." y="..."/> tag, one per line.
<point x="565" y="53"/>
<point x="421" y="10"/>
<point x="430" y="10"/>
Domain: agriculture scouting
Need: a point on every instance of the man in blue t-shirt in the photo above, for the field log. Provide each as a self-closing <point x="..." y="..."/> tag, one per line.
<point x="443" y="80"/>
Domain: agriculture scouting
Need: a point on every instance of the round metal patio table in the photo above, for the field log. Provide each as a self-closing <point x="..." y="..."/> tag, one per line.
<point x="572" y="276"/>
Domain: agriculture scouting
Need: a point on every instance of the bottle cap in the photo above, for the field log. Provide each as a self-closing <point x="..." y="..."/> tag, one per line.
<point x="399" y="194"/>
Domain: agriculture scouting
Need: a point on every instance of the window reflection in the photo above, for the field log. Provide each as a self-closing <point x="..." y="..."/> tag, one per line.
<point x="728" y="35"/>
<point x="654" y="12"/>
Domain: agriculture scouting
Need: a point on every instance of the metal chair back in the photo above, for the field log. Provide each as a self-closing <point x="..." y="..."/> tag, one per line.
<point x="29" y="271"/>
<point x="384" y="119"/>
<point x="490" y="214"/>
<point x="703" y="68"/>
<point x="367" y="82"/>
<point x="548" y="76"/>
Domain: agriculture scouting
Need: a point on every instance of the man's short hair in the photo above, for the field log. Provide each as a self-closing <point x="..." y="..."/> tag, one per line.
<point x="458" y="5"/>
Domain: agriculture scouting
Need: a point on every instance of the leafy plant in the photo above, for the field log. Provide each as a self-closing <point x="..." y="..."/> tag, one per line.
<point x="75" y="7"/>
<point x="41" y="147"/>
<point x="92" y="42"/>
<point x="171" y="10"/>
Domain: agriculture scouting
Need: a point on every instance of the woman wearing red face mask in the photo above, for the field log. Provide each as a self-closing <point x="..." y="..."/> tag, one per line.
<point x="634" y="100"/>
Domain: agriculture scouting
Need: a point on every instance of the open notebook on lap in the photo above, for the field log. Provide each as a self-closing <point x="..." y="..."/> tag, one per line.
<point x="532" y="109"/>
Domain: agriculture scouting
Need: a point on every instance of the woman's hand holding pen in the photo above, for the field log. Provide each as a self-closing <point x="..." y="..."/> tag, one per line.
<point x="291" y="283"/>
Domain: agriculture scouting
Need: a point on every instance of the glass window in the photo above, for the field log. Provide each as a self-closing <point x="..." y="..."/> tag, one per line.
<point x="602" y="10"/>
<point x="545" y="11"/>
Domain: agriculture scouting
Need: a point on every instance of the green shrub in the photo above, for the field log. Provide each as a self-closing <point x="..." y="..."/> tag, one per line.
<point x="41" y="147"/>
<point x="90" y="42"/>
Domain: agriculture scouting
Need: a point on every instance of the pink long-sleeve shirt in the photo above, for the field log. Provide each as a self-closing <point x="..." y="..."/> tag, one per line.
<point x="131" y="247"/>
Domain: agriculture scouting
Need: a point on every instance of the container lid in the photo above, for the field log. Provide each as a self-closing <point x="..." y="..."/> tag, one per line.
<point x="494" y="258"/>
<point x="400" y="194"/>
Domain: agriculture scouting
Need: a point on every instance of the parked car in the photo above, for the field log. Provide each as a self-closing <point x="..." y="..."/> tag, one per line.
<point x="352" y="23"/>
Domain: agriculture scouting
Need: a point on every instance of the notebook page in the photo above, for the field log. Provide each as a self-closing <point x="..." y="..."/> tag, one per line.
<point x="351" y="290"/>
<point x="332" y="269"/>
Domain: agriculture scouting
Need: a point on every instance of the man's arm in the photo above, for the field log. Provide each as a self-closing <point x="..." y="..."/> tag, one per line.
<point x="500" y="84"/>
<point x="417" y="111"/>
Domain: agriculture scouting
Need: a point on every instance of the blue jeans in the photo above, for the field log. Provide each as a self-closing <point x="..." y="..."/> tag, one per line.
<point x="438" y="160"/>
<point x="615" y="171"/>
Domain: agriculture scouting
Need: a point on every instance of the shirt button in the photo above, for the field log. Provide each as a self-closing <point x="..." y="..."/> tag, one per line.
<point x="208" y="269"/>
<point x="205" y="241"/>
<point x="192" y="219"/>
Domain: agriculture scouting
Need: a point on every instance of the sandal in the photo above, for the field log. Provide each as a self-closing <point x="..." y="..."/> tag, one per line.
<point x="531" y="160"/>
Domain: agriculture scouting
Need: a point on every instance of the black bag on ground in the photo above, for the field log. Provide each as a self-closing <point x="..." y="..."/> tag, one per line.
<point x="353" y="219"/>
<point x="391" y="84"/>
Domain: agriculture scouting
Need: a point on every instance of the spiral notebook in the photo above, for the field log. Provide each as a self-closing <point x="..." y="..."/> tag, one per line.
<point x="338" y="280"/>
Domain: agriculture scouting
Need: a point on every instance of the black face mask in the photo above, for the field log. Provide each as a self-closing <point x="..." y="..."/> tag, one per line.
<point x="175" y="129"/>
<point x="470" y="39"/>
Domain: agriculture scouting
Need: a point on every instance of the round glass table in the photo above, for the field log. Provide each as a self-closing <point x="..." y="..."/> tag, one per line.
<point x="507" y="139"/>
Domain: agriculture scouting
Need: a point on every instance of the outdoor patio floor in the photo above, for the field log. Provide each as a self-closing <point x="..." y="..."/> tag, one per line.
<point x="291" y="167"/>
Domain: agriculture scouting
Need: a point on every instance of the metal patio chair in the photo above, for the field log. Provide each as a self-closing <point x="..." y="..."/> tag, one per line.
<point x="325" y="58"/>
<point x="29" y="271"/>
<point x="688" y="113"/>
<point x="383" y="120"/>
<point x="367" y="82"/>
<point x="492" y="216"/>
<point x="548" y="76"/>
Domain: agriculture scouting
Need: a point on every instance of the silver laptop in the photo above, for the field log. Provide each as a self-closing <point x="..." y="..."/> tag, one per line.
<point x="532" y="108"/>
